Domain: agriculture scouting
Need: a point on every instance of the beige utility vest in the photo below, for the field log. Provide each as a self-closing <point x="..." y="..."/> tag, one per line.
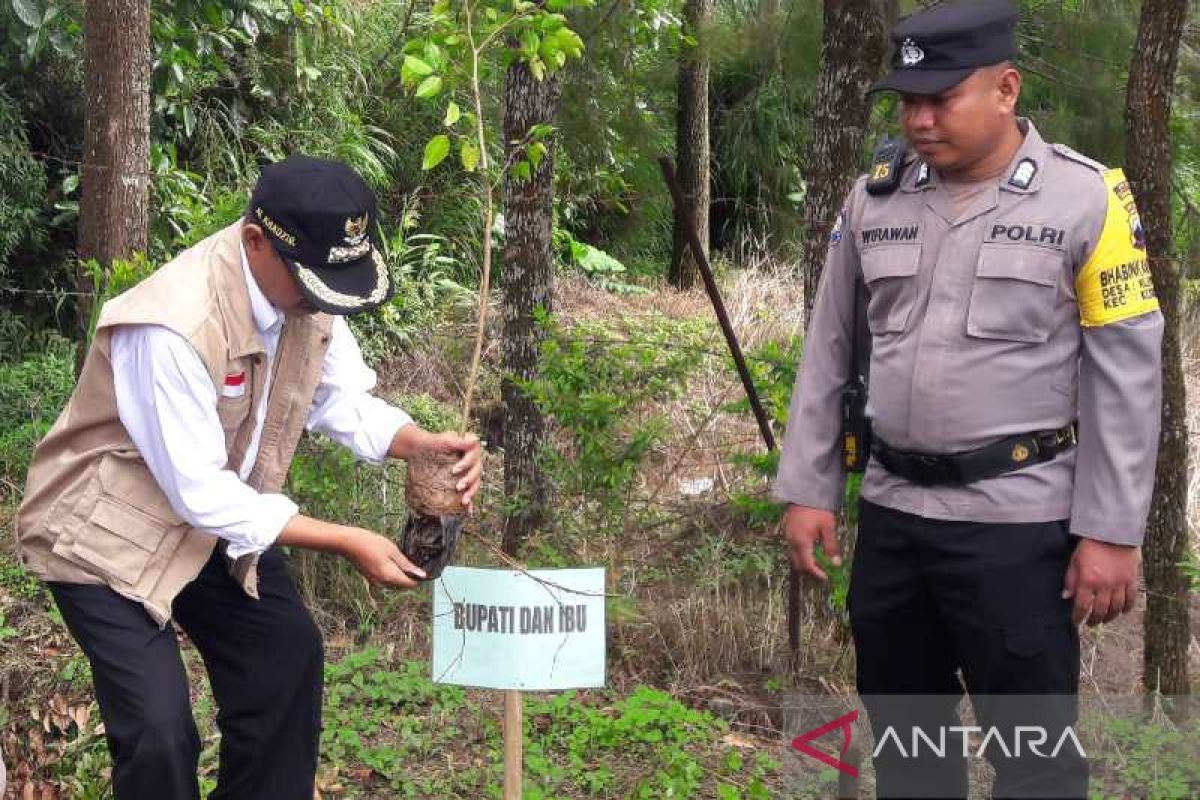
<point x="92" y="512"/>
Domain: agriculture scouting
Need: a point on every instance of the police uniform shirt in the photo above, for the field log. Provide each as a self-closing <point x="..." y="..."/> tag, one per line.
<point x="1029" y="308"/>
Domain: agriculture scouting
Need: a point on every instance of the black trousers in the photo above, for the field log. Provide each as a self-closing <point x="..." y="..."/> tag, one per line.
<point x="928" y="598"/>
<point x="264" y="660"/>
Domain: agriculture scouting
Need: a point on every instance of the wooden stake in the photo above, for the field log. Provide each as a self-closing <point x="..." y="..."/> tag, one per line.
<point x="514" y="729"/>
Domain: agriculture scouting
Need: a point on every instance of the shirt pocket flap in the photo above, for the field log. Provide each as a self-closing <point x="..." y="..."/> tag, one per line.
<point x="128" y="478"/>
<point x="1030" y="264"/>
<point x="891" y="262"/>
<point x="1015" y="294"/>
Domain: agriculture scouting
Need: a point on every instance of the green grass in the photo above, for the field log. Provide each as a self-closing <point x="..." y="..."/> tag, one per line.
<point x="391" y="726"/>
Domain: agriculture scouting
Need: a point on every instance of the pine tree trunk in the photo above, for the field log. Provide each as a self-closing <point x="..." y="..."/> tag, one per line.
<point x="852" y="49"/>
<point x="692" y="150"/>
<point x="528" y="285"/>
<point x="1148" y="163"/>
<point x="771" y="15"/>
<point x="115" y="175"/>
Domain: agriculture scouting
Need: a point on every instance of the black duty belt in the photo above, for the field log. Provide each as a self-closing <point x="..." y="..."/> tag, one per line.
<point x="997" y="458"/>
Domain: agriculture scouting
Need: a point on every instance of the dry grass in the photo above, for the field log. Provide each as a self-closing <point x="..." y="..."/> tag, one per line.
<point x="695" y="627"/>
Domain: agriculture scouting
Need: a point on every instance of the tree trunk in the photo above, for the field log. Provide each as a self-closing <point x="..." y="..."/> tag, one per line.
<point x="852" y="49"/>
<point x="691" y="141"/>
<point x="115" y="175"/>
<point x="528" y="285"/>
<point x="771" y="18"/>
<point x="1148" y="159"/>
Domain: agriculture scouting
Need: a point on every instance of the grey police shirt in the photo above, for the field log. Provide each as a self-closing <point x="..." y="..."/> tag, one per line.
<point x="1030" y="309"/>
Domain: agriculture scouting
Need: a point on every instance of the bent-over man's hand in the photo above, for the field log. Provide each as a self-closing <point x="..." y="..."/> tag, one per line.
<point x="380" y="560"/>
<point x="804" y="527"/>
<point x="412" y="439"/>
<point x="1103" y="579"/>
<point x="376" y="557"/>
<point x="469" y="468"/>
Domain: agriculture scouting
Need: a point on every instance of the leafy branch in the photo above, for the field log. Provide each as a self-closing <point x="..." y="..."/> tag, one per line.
<point x="535" y="33"/>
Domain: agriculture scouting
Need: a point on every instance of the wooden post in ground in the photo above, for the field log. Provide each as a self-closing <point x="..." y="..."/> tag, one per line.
<point x="513" y="744"/>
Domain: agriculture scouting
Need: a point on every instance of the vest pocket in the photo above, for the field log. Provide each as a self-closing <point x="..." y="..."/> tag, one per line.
<point x="1014" y="293"/>
<point x="890" y="274"/>
<point x="121" y="539"/>
<point x="115" y="538"/>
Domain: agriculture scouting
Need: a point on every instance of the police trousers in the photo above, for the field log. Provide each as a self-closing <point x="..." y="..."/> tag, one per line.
<point x="936" y="606"/>
<point x="264" y="660"/>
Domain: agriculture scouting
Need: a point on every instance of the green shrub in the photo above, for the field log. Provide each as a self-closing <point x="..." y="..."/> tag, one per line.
<point x="424" y="293"/>
<point x="598" y="383"/>
<point x="429" y="412"/>
<point x="23" y="190"/>
<point x="32" y="392"/>
<point x="1144" y="758"/>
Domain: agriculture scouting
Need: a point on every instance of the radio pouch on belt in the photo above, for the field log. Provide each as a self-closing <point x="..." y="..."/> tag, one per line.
<point x="856" y="428"/>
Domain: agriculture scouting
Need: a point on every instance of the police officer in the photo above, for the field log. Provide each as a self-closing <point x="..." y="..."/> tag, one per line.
<point x="1014" y="397"/>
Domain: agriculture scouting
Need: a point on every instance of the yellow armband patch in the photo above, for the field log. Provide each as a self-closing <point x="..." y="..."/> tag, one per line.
<point x="1115" y="283"/>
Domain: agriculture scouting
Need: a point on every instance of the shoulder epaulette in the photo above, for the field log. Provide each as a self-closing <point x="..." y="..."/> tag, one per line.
<point x="1078" y="158"/>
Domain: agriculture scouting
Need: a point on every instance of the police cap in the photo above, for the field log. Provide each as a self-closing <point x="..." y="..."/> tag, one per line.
<point x="941" y="47"/>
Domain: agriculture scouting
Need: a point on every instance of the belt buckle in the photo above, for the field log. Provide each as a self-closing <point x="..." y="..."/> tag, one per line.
<point x="1051" y="443"/>
<point x="1071" y="436"/>
<point x="927" y="469"/>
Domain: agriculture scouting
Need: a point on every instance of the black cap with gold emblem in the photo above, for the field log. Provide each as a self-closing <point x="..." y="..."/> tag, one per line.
<point x="319" y="215"/>
<point x="941" y="47"/>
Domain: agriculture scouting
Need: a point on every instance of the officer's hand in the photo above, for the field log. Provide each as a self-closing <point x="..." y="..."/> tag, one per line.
<point x="1103" y="579"/>
<point x="380" y="560"/>
<point x="803" y="527"/>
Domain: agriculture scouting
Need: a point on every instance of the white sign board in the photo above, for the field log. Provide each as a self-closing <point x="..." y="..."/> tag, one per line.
<point x="503" y="629"/>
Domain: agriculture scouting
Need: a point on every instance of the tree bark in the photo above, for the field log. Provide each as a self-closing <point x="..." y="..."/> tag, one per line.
<point x="1148" y="160"/>
<point x="528" y="286"/>
<point x="692" y="150"/>
<point x="852" y="49"/>
<point x="771" y="16"/>
<point x="115" y="174"/>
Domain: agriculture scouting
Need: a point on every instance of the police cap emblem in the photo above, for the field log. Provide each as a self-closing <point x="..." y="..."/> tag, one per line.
<point x="910" y="54"/>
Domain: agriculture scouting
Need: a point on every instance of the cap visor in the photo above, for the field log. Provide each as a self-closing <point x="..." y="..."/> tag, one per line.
<point x="922" y="81"/>
<point x="349" y="288"/>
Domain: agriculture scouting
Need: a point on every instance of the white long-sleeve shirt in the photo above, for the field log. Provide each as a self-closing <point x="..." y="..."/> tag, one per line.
<point x="168" y="404"/>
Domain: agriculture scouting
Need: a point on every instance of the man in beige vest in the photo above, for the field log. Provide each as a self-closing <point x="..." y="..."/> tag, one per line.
<point x="156" y="495"/>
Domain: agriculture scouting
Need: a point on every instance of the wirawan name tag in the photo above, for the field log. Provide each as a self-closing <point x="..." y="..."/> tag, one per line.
<point x="504" y="629"/>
